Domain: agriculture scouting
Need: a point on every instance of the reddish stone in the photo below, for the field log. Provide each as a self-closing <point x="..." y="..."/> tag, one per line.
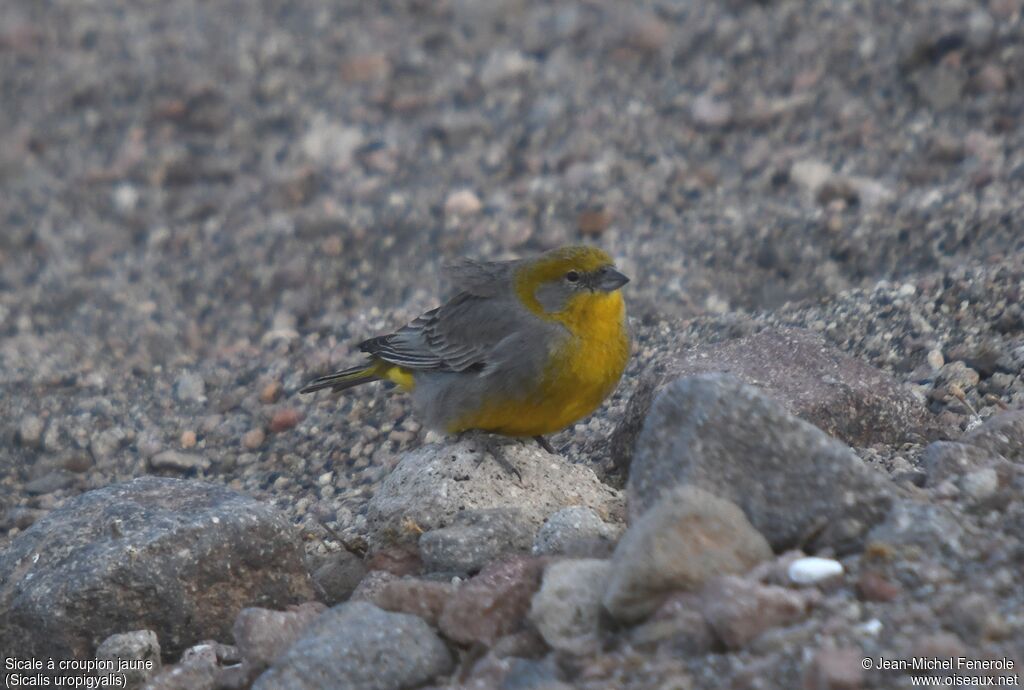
<point x="423" y="598"/>
<point x="494" y="603"/>
<point x="739" y="610"/>
<point x="284" y="419"/>
<point x="397" y="560"/>
<point x="873" y="587"/>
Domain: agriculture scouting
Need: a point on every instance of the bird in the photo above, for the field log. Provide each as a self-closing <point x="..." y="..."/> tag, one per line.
<point x="524" y="348"/>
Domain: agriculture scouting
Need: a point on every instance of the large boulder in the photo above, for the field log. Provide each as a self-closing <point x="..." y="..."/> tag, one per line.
<point x="178" y="557"/>
<point x="843" y="396"/>
<point x="797" y="485"/>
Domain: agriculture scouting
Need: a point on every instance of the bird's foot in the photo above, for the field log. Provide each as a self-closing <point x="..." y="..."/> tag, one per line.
<point x="506" y="464"/>
<point x="543" y="442"/>
<point x="494" y="447"/>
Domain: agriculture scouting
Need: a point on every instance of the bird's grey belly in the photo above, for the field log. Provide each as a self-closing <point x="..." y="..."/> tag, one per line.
<point x="515" y="374"/>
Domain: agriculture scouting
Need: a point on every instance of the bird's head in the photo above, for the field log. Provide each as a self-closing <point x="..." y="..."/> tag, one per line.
<point x="569" y="280"/>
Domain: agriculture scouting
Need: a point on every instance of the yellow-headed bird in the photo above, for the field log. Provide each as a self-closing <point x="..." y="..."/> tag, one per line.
<point x="525" y="348"/>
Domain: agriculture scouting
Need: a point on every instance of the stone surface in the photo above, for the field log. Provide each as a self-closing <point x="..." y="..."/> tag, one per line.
<point x="740" y="609"/>
<point x="475" y="538"/>
<point x="198" y="669"/>
<point x="263" y="635"/>
<point x="370" y="587"/>
<point x="400" y="560"/>
<point x="1003" y="435"/>
<point x="842" y="395"/>
<point x="136" y="647"/>
<point x="337" y="576"/>
<point x="177" y="461"/>
<point x="430" y="486"/>
<point x="915" y="529"/>
<point x="30" y="431"/>
<point x="835" y="668"/>
<point x="677" y="628"/>
<point x="944" y="460"/>
<point x="576" y="532"/>
<point x="796" y="485"/>
<point x="179" y="557"/>
<point x="190" y="387"/>
<point x="362" y="646"/>
<point x="492" y="604"/>
<point x="423" y="598"/>
<point x="567" y="607"/>
<point x="689" y="537"/>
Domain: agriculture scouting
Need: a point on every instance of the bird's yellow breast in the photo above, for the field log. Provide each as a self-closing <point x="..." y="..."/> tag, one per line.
<point x="581" y="373"/>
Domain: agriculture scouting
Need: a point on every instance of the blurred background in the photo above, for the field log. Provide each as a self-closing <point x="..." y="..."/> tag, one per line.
<point x="178" y="176"/>
<point x="204" y="203"/>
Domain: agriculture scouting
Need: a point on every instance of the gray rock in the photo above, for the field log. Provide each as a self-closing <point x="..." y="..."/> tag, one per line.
<point x="263" y="635"/>
<point x="797" y="485"/>
<point x="832" y="668"/>
<point x="1003" y="435"/>
<point x="433" y="484"/>
<point x="677" y="628"/>
<point x="337" y="576"/>
<point x="567" y="607"/>
<point x="943" y="460"/>
<point x="844" y="396"/>
<point x="740" y="609"/>
<point x="140" y="647"/>
<point x="370" y="587"/>
<point x="423" y="598"/>
<point x="476" y="538"/>
<point x="689" y="537"/>
<point x="50" y="482"/>
<point x="364" y="648"/>
<point x="576" y="532"/>
<point x="30" y="431"/>
<point x="178" y="461"/>
<point x="107" y="442"/>
<point x="969" y="472"/>
<point x="939" y="86"/>
<point x="178" y="557"/>
<point x="190" y="387"/>
<point x="532" y="674"/>
<point x="198" y="669"/>
<point x="913" y="530"/>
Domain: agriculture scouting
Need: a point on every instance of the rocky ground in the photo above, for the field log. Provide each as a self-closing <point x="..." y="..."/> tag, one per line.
<point x="203" y="205"/>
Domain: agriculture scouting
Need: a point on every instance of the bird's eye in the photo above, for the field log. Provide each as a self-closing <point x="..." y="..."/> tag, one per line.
<point x="572" y="276"/>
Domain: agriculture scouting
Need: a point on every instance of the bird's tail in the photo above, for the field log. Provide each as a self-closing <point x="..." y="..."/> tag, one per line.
<point x="346" y="378"/>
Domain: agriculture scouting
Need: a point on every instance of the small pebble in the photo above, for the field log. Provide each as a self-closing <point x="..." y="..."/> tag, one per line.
<point x="253" y="439"/>
<point x="188" y="439"/>
<point x="270" y="393"/>
<point x="980" y="484"/>
<point x="462" y="203"/>
<point x="811" y="570"/>
<point x="30" y="431"/>
<point x="284" y="419"/>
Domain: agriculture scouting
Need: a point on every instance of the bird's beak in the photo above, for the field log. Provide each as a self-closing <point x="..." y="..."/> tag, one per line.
<point x="610" y="280"/>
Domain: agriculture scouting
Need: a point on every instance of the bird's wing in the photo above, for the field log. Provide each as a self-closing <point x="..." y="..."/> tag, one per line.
<point x="461" y="335"/>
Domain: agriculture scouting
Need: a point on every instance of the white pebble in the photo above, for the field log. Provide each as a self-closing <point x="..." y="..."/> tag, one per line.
<point x="980" y="484"/>
<point x="807" y="571"/>
<point x="871" y="627"/>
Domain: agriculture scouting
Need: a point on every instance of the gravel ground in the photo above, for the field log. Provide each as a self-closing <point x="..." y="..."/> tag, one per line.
<point x="203" y="205"/>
